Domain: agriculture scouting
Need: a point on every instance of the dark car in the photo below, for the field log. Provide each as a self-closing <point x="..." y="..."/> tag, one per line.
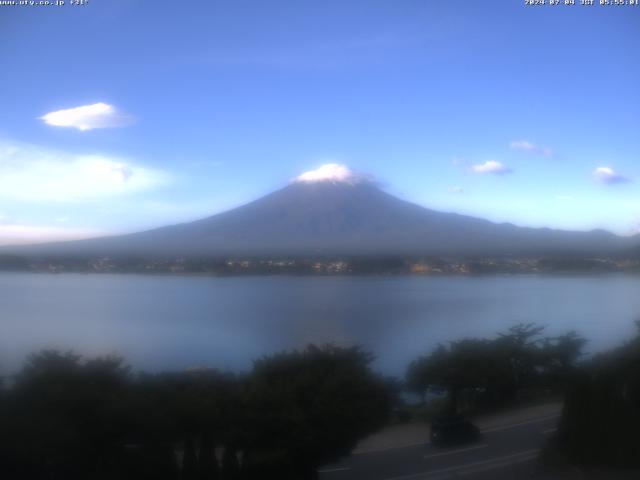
<point x="453" y="430"/>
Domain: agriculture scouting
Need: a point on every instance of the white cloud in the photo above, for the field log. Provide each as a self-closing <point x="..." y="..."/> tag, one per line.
<point x="456" y="189"/>
<point x="492" y="167"/>
<point x="609" y="176"/>
<point x="331" y="172"/>
<point x="15" y="234"/>
<point x="526" y="146"/>
<point x="87" y="117"/>
<point x="35" y="174"/>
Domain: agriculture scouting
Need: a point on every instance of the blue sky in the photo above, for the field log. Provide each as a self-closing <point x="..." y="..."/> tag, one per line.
<point x="522" y="114"/>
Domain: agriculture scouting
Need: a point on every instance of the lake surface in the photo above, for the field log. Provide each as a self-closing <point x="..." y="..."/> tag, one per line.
<point x="173" y="322"/>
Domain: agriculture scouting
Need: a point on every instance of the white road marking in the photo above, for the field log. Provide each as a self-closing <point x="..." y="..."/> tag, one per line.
<point x="337" y="469"/>
<point x="458" y="450"/>
<point x="526" y="422"/>
<point x="473" y="467"/>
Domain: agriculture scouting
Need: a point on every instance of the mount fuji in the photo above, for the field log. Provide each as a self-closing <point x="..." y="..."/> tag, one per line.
<point x="334" y="211"/>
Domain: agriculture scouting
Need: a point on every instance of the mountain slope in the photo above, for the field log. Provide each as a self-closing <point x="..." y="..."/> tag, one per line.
<point x="329" y="217"/>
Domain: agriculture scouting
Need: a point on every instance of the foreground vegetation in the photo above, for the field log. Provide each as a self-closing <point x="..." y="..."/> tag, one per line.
<point x="600" y="425"/>
<point x="67" y="419"/>
<point x="600" y="421"/>
<point x="62" y="417"/>
<point x="479" y="374"/>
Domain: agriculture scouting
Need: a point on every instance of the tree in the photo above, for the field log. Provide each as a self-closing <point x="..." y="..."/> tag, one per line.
<point x="67" y="418"/>
<point x="601" y="415"/>
<point x="194" y="410"/>
<point x="63" y="416"/>
<point x="495" y="371"/>
<point x="465" y="369"/>
<point x="310" y="407"/>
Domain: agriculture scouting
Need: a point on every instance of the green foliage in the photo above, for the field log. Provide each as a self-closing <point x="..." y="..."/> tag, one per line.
<point x="490" y="372"/>
<point x="64" y="415"/>
<point x="314" y="405"/>
<point x="601" y="417"/>
<point x="65" y="418"/>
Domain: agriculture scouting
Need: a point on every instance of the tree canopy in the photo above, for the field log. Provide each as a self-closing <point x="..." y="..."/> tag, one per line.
<point x="68" y="418"/>
<point x="473" y="370"/>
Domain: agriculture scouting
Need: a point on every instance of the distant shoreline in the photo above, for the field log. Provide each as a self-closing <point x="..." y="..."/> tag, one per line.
<point x="331" y="275"/>
<point x="345" y="266"/>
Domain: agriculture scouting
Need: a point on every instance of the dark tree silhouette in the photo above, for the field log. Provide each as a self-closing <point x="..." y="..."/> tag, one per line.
<point x="208" y="468"/>
<point x="601" y="416"/>
<point x="230" y="465"/>
<point x="310" y="407"/>
<point x="493" y="372"/>
<point x="65" y="418"/>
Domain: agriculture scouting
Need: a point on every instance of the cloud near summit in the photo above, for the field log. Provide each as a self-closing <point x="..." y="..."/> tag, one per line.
<point x="333" y="172"/>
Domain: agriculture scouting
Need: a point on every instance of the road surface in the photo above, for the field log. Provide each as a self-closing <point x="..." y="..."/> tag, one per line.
<point x="508" y="450"/>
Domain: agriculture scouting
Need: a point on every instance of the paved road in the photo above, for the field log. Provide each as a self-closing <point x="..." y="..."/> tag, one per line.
<point x="506" y="451"/>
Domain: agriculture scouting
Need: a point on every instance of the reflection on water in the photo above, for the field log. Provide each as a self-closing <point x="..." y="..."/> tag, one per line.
<point x="174" y="322"/>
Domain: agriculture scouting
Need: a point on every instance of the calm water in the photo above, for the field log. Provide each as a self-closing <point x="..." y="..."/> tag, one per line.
<point x="175" y="322"/>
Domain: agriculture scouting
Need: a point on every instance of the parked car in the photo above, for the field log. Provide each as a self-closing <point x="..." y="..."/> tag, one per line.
<point x="453" y="430"/>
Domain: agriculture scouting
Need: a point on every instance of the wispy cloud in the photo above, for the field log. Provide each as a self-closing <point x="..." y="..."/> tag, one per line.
<point x="609" y="176"/>
<point x="35" y="174"/>
<point x="456" y="190"/>
<point x="491" y="167"/>
<point x="88" y="117"/>
<point x="526" y="146"/>
<point x="15" y="234"/>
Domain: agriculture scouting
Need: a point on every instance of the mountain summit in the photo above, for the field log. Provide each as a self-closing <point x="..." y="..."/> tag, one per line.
<point x="336" y="211"/>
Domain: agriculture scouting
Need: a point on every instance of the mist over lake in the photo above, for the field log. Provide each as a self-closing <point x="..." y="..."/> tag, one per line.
<point x="176" y="322"/>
